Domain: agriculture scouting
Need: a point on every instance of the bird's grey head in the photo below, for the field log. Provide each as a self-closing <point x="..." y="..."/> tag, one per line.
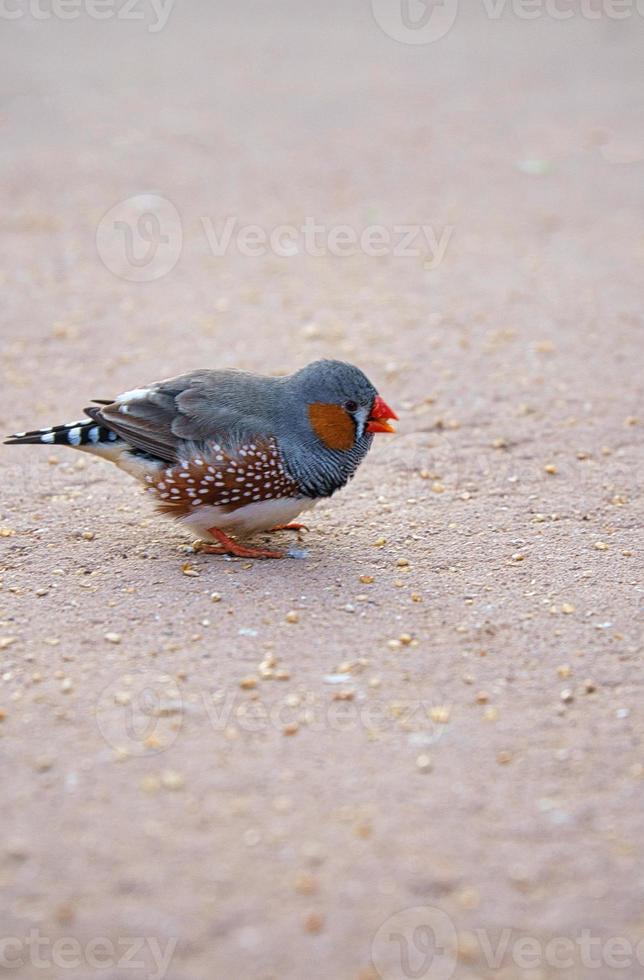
<point x="331" y="412"/>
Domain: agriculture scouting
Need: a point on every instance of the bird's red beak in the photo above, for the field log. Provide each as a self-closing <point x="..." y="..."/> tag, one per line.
<point x="380" y="413"/>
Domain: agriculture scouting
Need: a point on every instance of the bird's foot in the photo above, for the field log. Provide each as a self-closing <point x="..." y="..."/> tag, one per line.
<point x="289" y="527"/>
<point x="231" y="547"/>
<point x="205" y="548"/>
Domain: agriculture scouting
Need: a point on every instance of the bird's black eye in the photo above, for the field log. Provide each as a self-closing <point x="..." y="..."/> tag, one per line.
<point x="351" y="406"/>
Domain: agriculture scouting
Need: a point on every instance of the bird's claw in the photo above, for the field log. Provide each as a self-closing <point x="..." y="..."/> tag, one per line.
<point x="228" y="546"/>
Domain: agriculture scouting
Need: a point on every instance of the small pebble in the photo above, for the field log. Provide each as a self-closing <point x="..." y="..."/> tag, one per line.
<point x="113" y="637"/>
<point x="292" y="616"/>
<point x="150" y="784"/>
<point x="248" y="683"/>
<point x="305" y="884"/>
<point x="440" y="714"/>
<point x="469" y="898"/>
<point x="343" y="695"/>
<point x="298" y="553"/>
<point x="314" y="923"/>
<point x="423" y="763"/>
<point x="170" y="779"/>
<point x="64" y="913"/>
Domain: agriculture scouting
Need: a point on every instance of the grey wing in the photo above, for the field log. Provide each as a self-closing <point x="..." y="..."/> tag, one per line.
<point x="164" y="418"/>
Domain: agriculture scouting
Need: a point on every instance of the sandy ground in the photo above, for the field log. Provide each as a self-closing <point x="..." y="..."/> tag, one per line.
<point x="437" y="769"/>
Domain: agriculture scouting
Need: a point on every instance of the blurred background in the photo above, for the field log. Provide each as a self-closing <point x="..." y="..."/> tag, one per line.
<point x="449" y="195"/>
<point x="516" y="138"/>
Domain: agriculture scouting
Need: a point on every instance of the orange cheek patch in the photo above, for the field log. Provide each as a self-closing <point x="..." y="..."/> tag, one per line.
<point x="332" y="425"/>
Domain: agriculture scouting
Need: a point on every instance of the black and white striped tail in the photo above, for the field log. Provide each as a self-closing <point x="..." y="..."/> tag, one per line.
<point x="85" y="432"/>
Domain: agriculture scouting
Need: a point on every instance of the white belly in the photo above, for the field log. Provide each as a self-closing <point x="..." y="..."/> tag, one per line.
<point x="259" y="516"/>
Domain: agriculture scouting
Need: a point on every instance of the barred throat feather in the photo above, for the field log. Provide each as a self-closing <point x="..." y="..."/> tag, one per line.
<point x="321" y="472"/>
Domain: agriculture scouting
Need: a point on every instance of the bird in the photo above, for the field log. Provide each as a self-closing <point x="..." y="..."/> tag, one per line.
<point x="230" y="452"/>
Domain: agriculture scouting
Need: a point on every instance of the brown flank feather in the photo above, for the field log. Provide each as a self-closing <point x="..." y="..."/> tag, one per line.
<point x="217" y="478"/>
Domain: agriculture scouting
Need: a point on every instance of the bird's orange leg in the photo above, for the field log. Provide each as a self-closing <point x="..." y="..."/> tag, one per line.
<point x="204" y="547"/>
<point x="230" y="547"/>
<point x="289" y="527"/>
